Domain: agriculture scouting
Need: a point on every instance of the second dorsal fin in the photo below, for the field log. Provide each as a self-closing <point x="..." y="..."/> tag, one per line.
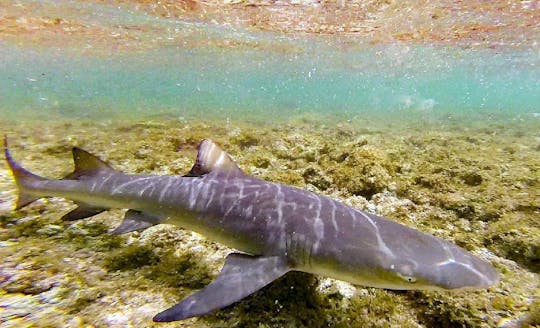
<point x="211" y="158"/>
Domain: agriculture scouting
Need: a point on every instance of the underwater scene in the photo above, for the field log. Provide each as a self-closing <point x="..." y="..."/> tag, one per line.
<point x="426" y="113"/>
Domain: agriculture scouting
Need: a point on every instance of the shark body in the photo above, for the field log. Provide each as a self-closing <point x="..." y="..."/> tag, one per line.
<point x="278" y="228"/>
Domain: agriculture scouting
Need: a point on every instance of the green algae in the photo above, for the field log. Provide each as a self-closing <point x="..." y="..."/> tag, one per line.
<point x="291" y="301"/>
<point x="168" y="268"/>
<point x="93" y="235"/>
<point x="130" y="257"/>
<point x="183" y="270"/>
<point x="445" y="312"/>
<point x="260" y="161"/>
<point x="315" y="177"/>
<point x="533" y="318"/>
<point x="295" y="301"/>
<point x="472" y="178"/>
<point x="361" y="170"/>
<point x="377" y="308"/>
<point x="82" y="299"/>
<point x="246" y="139"/>
<point x="28" y="228"/>
<point x="290" y="177"/>
<point x="517" y="237"/>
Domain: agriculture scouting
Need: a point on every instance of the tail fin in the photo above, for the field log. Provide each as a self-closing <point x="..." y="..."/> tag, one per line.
<point x="23" y="178"/>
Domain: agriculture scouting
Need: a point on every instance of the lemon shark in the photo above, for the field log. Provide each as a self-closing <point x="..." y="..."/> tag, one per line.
<point x="276" y="228"/>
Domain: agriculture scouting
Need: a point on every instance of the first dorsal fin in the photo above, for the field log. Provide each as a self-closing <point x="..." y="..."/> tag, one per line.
<point x="86" y="164"/>
<point x="211" y="158"/>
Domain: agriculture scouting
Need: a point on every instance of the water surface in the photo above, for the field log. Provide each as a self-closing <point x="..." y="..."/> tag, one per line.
<point x="185" y="67"/>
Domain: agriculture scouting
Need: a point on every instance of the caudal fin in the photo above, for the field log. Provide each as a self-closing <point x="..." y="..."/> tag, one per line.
<point x="23" y="178"/>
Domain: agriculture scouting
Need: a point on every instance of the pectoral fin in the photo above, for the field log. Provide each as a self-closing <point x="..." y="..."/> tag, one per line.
<point x="241" y="276"/>
<point x="136" y="220"/>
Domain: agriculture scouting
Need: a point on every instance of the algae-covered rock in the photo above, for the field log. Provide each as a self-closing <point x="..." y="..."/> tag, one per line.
<point x="246" y="139"/>
<point x="361" y="171"/>
<point x="317" y="178"/>
<point x="476" y="189"/>
<point x="457" y="203"/>
<point x="533" y="317"/>
<point x="289" y="177"/>
<point x="130" y="257"/>
<point x="443" y="310"/>
<point x="29" y="227"/>
<point x="516" y="242"/>
<point x="291" y="301"/>
<point x="91" y="234"/>
<point x="82" y="298"/>
<point x="179" y="270"/>
<point x="260" y="161"/>
<point x="472" y="178"/>
<point x="439" y="182"/>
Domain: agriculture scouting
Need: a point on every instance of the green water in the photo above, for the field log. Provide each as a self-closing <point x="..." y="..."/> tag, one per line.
<point x="267" y="75"/>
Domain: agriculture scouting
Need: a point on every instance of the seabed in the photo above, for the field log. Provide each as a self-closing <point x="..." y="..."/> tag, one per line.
<point x="471" y="182"/>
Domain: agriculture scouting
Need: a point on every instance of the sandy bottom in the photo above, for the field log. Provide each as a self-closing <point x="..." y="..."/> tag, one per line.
<point x="474" y="182"/>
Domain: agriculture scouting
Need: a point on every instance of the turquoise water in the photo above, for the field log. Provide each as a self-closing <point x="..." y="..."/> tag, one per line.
<point x="265" y="74"/>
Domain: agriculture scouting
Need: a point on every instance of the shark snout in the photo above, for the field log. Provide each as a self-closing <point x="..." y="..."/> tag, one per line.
<point x="470" y="274"/>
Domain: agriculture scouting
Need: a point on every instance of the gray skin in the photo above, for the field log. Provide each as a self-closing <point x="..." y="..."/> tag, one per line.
<point x="279" y="227"/>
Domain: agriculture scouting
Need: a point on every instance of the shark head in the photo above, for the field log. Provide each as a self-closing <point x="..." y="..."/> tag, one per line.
<point x="453" y="268"/>
<point x="394" y="256"/>
<point x="420" y="261"/>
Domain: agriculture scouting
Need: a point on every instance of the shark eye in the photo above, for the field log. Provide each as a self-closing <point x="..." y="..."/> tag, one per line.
<point x="404" y="270"/>
<point x="409" y="279"/>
